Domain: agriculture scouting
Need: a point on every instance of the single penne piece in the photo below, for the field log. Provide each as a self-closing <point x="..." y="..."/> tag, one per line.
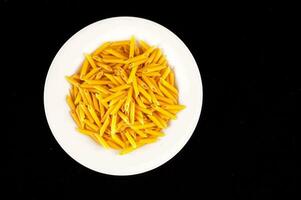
<point x="140" y="133"/>
<point x="115" y="53"/>
<point x="133" y="134"/>
<point x="169" y="86"/>
<point x="130" y="139"/>
<point x="162" y="60"/>
<point x="104" y="126"/>
<point x="102" y="89"/>
<point x="148" y="70"/>
<point x="75" y="118"/>
<point x="139" y="102"/>
<point x="145" y="93"/>
<point x="123" y="117"/>
<point x="135" y="86"/>
<point x="163" y="122"/>
<point x="71" y="94"/>
<point x="132" y="74"/>
<point x="86" y="132"/>
<point x="164" y="99"/>
<point x="121" y="126"/>
<point x="90" y="60"/>
<point x="143" y="85"/>
<point x="151" y="58"/>
<point x="124" y="139"/>
<point x="97" y="59"/>
<point x="149" y="50"/>
<point x="154" y="133"/>
<point x="144" y="110"/>
<point x="117" y="107"/>
<point x="120" y="43"/>
<point x="132" y="112"/>
<point x="102" y="141"/>
<point x="137" y="63"/>
<point x="84" y="69"/>
<point x="112" y="96"/>
<point x="173" y="107"/>
<point x="101" y="108"/>
<point x="104" y="66"/>
<point x="154" y="99"/>
<point x="123" y="75"/>
<point x="81" y="115"/>
<point x="75" y="92"/>
<point x="91" y="73"/>
<point x="144" y="126"/>
<point x="171" y="79"/>
<point x="166" y="72"/>
<point x="101" y="48"/>
<point x="132" y="47"/>
<point x="119" y="80"/>
<point x="136" y="59"/>
<point x="70" y="102"/>
<point x="116" y="100"/>
<point x="114" y="60"/>
<point x="91" y="125"/>
<point x="153" y="81"/>
<point x="86" y="112"/>
<point x="72" y="81"/>
<point x="144" y="45"/>
<point x="147" y="141"/>
<point x="113" y="145"/>
<point x="100" y="98"/>
<point x="116" y="139"/>
<point x="113" y="124"/>
<point x="149" y="83"/>
<point x="167" y="94"/>
<point x="155" y="120"/>
<point x="111" y="78"/>
<point x="158" y="55"/>
<point x="165" y="112"/>
<point x="83" y="96"/>
<point x="152" y="74"/>
<point x="94" y="115"/>
<point x="163" y="117"/>
<point x="99" y="75"/>
<point x="145" y="101"/>
<point x="126" y="150"/>
<point x="128" y="100"/>
<point x="136" y="50"/>
<point x="139" y="116"/>
<point x="88" y="97"/>
<point x="98" y="82"/>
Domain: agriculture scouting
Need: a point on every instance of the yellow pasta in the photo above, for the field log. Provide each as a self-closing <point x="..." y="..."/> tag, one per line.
<point x="70" y="102"/>
<point x="123" y="95"/>
<point x="91" y="125"/>
<point x="132" y="112"/>
<point x="84" y="69"/>
<point x="101" y="48"/>
<point x="130" y="139"/>
<point x="132" y="47"/>
<point x="169" y="86"/>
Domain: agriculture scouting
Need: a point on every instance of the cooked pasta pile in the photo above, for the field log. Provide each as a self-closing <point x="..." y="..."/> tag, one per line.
<point x="123" y="95"/>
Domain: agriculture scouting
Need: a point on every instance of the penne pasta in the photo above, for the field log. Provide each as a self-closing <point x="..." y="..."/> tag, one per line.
<point x="123" y="95"/>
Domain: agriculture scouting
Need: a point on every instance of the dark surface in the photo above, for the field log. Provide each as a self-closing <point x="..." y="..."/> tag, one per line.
<point x="245" y="145"/>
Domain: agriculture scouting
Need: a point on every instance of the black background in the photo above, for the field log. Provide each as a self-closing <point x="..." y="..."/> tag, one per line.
<point x="245" y="144"/>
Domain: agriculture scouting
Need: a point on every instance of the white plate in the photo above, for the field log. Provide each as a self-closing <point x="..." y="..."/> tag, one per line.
<point x="80" y="147"/>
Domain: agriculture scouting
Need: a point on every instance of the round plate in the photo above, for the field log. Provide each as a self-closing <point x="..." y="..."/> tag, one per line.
<point x="83" y="149"/>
